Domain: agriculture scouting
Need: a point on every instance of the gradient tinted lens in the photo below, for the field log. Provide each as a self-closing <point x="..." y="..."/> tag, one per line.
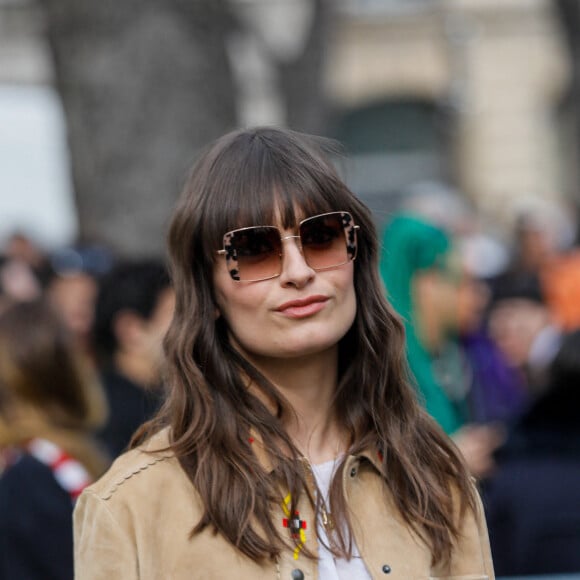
<point x="254" y="253"/>
<point x="323" y="241"/>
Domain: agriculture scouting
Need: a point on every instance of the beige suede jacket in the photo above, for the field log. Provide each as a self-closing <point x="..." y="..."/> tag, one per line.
<point x="135" y="523"/>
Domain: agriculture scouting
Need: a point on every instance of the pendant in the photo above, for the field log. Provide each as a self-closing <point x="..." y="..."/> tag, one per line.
<point x="327" y="520"/>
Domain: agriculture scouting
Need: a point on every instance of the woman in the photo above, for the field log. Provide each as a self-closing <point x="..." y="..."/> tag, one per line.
<point x="291" y="445"/>
<point x="48" y="408"/>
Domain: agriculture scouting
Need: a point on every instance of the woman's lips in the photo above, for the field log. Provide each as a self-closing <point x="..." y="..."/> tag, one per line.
<point x="303" y="308"/>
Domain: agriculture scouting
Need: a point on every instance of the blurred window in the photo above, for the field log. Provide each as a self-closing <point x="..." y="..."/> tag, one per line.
<point x="392" y="144"/>
<point x="35" y="190"/>
<point x="373" y="7"/>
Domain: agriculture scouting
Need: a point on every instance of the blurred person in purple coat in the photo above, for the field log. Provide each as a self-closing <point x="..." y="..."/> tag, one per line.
<point x="498" y="391"/>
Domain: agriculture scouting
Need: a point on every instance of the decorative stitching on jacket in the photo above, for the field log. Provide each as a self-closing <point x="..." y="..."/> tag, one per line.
<point x="128" y="475"/>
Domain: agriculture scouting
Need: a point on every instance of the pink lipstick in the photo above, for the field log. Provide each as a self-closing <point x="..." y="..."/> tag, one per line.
<point x="302" y="308"/>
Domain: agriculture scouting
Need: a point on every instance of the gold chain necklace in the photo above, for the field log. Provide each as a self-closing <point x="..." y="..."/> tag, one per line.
<point x="325" y="515"/>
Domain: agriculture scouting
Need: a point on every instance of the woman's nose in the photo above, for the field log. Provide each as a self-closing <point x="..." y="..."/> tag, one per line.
<point x="295" y="271"/>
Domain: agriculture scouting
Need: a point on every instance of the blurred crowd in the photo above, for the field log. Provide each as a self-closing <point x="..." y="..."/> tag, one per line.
<point x="493" y="343"/>
<point x="493" y="339"/>
<point x="81" y="365"/>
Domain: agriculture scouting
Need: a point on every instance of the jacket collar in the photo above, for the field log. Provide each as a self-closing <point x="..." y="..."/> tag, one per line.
<point x="374" y="456"/>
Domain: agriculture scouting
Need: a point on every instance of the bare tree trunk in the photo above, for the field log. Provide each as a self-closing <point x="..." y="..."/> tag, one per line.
<point x="144" y="84"/>
<point x="301" y="80"/>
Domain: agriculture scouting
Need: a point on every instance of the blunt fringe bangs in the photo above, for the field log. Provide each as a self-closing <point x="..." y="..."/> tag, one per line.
<point x="253" y="175"/>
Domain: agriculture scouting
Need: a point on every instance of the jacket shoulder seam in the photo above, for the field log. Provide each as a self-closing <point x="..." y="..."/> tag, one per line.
<point x="128" y="474"/>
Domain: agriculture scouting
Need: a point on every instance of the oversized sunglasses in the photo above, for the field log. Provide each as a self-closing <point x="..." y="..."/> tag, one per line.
<point x="255" y="253"/>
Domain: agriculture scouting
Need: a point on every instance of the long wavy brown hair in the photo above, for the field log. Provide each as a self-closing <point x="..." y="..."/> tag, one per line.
<point x="244" y="179"/>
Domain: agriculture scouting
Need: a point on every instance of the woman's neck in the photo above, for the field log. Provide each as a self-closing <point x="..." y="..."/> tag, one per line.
<point x="309" y="386"/>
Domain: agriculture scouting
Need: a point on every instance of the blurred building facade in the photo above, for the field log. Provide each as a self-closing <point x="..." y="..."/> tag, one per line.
<point x="465" y="91"/>
<point x="493" y="74"/>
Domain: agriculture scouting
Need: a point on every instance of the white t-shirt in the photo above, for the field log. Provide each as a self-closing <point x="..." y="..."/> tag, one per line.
<point x="329" y="567"/>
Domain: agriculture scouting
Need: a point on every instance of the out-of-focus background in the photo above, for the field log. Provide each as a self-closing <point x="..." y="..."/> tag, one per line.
<point x="104" y="104"/>
<point x="460" y="121"/>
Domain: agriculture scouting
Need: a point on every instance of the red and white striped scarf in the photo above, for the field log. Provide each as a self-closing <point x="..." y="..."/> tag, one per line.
<point x="70" y="474"/>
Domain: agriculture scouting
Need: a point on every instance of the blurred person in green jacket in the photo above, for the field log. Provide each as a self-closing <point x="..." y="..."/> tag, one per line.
<point x="423" y="276"/>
